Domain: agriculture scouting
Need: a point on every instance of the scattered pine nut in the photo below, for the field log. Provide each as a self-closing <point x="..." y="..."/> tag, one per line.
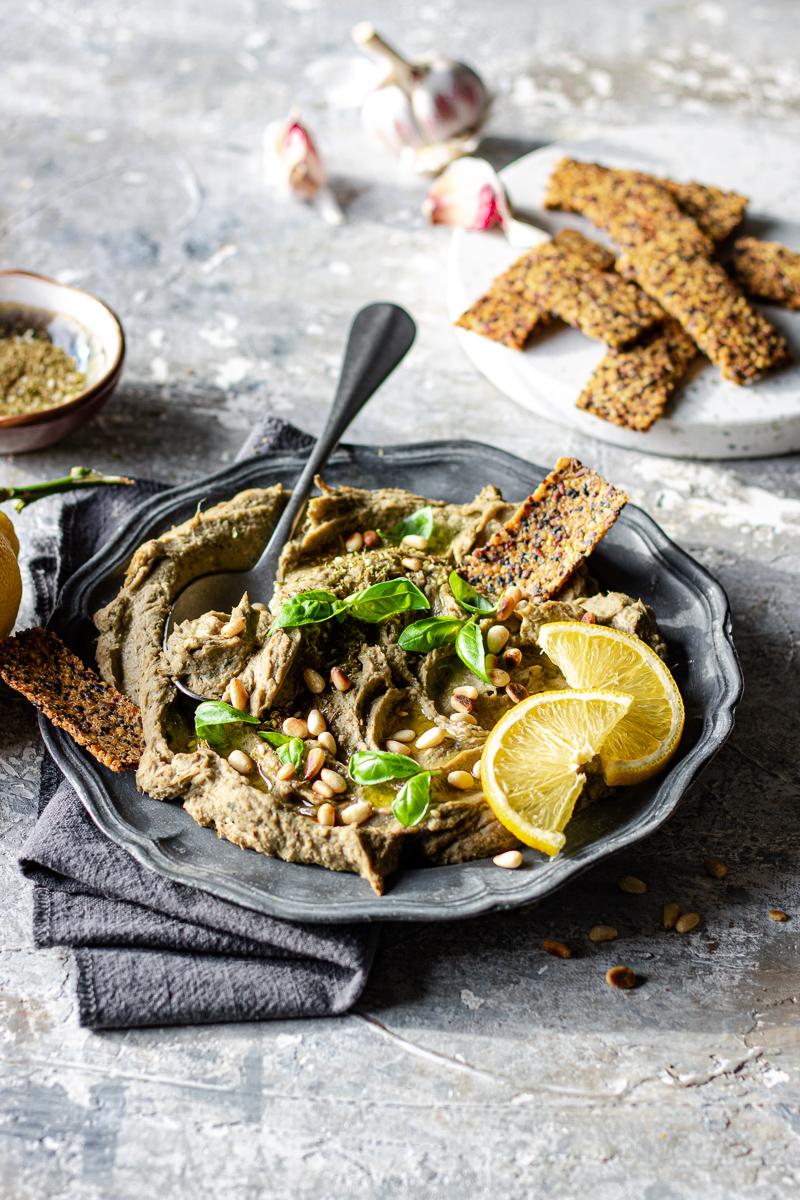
<point x="512" y="657"/>
<point x="715" y="868"/>
<point x="285" y="772"/>
<point x="466" y="689"/>
<point x="496" y="638"/>
<point x="516" y="692"/>
<point x="508" y="602"/>
<point x="411" y="564"/>
<point x="621" y="977"/>
<point x="333" y="779"/>
<point x="632" y="885"/>
<point x="462" y="703"/>
<point x="240" y="697"/>
<point x="314" y="762"/>
<point x="499" y="678"/>
<point x="476" y="770"/>
<point x="687" y="922"/>
<point x="241" y="762"/>
<point x="233" y="627"/>
<point x="509" y="860"/>
<point x="295" y="727"/>
<point x="326" y="814"/>
<point x="356" y="813"/>
<point x="557" y="949"/>
<point x="669" y="914"/>
<point x="322" y="789"/>
<point x="430" y="738"/>
<point x="353" y="543"/>
<point x="403" y="735"/>
<point x="395" y="747"/>
<point x="464" y="718"/>
<point x="589" y="618"/>
<point x="257" y="606"/>
<point x="415" y="541"/>
<point x="316" y="722"/>
<point x="490" y="662"/>
<point x="462" y="781"/>
<point x="777" y="914"/>
<point x="313" y="681"/>
<point x="603" y="933"/>
<point x="327" y="741"/>
<point x="339" y="680"/>
<point x="371" y="539"/>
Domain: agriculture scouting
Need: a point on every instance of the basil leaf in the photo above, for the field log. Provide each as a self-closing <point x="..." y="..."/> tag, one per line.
<point x="468" y="597"/>
<point x="469" y="648"/>
<point x="383" y="600"/>
<point x="307" y="608"/>
<point x="413" y="801"/>
<point x="429" y="633"/>
<point x="419" y="523"/>
<point x="214" y="721"/>
<point x="379" y="766"/>
<point x="289" y="749"/>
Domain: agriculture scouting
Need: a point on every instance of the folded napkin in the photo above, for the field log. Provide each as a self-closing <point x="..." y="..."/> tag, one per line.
<point x="148" y="951"/>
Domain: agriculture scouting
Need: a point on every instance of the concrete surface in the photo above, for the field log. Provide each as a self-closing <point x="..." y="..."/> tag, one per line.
<point x="476" y="1066"/>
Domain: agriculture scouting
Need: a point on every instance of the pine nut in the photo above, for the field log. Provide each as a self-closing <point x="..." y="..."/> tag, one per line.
<point x="496" y="638"/>
<point x="669" y="914"/>
<point x="233" y="627"/>
<point x="257" y="606"/>
<point x="777" y="914"/>
<point x="687" y="922"/>
<point x="354" y="542"/>
<point x="632" y="885"/>
<point x="371" y="539"/>
<point x="462" y="781"/>
<point x="510" y="859"/>
<point x="715" y="868"/>
<point x="430" y="738"/>
<point x="508" y="602"/>
<point x="285" y="772"/>
<point x="356" y="813"/>
<point x="516" y="692"/>
<point x="415" y="542"/>
<point x="241" y="762"/>
<point x="339" y="680"/>
<point x="466" y="690"/>
<point x="395" y="747"/>
<point x="328" y="742"/>
<point x="512" y="657"/>
<point x="322" y="789"/>
<point x="333" y="779"/>
<point x="499" y="678"/>
<point x="239" y="695"/>
<point x="621" y="977"/>
<point x="603" y="933"/>
<point x="411" y="564"/>
<point x="403" y="735"/>
<point x="476" y="770"/>
<point x="314" y="762"/>
<point x="557" y="949"/>
<point x="490" y="662"/>
<point x="464" y="718"/>
<point x="316" y="722"/>
<point x="326" y="815"/>
<point x="295" y="727"/>
<point x="462" y="703"/>
<point x="313" y="681"/>
<point x="589" y="618"/>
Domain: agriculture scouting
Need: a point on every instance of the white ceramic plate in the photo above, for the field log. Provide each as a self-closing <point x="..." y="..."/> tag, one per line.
<point x="708" y="417"/>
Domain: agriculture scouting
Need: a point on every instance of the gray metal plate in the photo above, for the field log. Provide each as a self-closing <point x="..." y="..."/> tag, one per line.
<point x="636" y="557"/>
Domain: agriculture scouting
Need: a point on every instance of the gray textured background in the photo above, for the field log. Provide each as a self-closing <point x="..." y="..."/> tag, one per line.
<point x="476" y="1065"/>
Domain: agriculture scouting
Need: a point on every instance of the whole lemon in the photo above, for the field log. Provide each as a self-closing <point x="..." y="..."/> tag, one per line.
<point x="10" y="578"/>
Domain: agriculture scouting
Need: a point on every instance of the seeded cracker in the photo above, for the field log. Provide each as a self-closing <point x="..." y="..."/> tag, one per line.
<point x="632" y="387"/>
<point x="769" y="270"/>
<point x="37" y="663"/>
<point x="550" y="534"/>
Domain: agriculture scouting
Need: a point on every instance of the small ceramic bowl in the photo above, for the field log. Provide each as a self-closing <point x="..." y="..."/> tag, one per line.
<point x="84" y="327"/>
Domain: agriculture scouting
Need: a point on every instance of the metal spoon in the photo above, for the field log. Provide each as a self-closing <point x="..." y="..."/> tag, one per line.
<point x="380" y="336"/>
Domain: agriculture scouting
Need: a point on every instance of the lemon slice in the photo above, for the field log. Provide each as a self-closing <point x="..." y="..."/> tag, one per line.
<point x="595" y="656"/>
<point x="531" y="767"/>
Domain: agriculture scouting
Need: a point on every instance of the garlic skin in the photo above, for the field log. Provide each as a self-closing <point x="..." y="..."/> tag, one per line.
<point x="293" y="165"/>
<point x="470" y="195"/>
<point x="427" y="112"/>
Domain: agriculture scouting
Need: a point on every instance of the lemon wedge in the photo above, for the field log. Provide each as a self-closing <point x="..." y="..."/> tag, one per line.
<point x="595" y="656"/>
<point x="532" y="763"/>
<point x="10" y="578"/>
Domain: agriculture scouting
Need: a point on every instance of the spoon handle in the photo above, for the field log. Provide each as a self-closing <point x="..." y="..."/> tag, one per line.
<point x="379" y="337"/>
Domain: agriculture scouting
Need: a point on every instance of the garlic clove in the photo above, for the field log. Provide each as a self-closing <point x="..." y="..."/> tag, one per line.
<point x="293" y="164"/>
<point x="469" y="194"/>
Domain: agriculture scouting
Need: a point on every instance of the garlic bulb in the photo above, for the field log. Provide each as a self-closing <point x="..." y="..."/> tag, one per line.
<point x="469" y="194"/>
<point x="428" y="112"/>
<point x="293" y="165"/>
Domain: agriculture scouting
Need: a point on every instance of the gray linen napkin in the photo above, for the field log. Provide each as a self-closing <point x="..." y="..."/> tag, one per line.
<point x="148" y="951"/>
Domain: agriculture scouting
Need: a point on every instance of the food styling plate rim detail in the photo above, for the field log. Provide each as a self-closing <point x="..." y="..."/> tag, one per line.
<point x="157" y="834"/>
<point x="723" y="421"/>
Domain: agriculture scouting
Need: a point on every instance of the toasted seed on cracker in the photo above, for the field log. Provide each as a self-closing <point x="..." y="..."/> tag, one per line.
<point x="38" y="664"/>
<point x="768" y="270"/>
<point x="632" y="387"/>
<point x="549" y="535"/>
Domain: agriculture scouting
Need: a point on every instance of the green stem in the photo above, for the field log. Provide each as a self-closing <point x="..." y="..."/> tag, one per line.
<point x="79" y="477"/>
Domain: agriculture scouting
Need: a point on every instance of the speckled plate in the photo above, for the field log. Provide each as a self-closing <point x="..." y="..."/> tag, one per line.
<point x="708" y="417"/>
<point x="636" y="556"/>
